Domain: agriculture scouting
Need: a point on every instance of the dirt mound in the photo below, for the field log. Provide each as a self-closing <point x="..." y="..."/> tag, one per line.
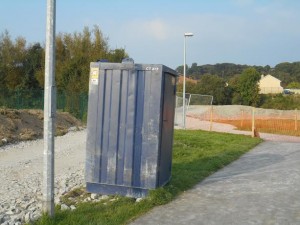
<point x="22" y="125"/>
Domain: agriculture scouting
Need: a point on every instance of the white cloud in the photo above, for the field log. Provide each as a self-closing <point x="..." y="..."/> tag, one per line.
<point x="259" y="35"/>
<point x="156" y="29"/>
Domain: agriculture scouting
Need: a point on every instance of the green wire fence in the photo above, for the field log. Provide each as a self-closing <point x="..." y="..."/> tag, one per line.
<point x="74" y="103"/>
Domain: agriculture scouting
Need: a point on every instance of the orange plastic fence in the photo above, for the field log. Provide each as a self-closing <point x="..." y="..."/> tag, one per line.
<point x="285" y="122"/>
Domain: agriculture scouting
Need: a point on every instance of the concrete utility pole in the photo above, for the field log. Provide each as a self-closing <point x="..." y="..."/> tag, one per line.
<point x="49" y="112"/>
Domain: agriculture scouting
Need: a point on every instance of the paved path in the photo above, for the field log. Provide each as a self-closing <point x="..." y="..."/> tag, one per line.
<point x="262" y="187"/>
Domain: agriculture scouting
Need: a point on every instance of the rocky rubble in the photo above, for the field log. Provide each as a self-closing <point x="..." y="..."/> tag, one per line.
<point x="21" y="168"/>
<point x="28" y="207"/>
<point x="21" y="172"/>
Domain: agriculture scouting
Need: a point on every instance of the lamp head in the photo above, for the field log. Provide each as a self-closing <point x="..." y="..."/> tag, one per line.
<point x="188" y="34"/>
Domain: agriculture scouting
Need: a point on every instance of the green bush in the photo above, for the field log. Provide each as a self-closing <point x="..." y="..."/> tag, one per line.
<point x="280" y="101"/>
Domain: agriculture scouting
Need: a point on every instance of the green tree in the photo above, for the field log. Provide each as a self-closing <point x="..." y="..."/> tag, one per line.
<point x="6" y="46"/>
<point x="117" y="55"/>
<point x="179" y="69"/>
<point x="287" y="72"/>
<point x="12" y="61"/>
<point x="193" y="69"/>
<point x="74" y="52"/>
<point x="293" y="84"/>
<point x="233" y="85"/>
<point x="22" y="66"/>
<point x="190" y="87"/>
<point x="215" y="86"/>
<point x="248" y="87"/>
<point x="32" y="65"/>
<point x="285" y="78"/>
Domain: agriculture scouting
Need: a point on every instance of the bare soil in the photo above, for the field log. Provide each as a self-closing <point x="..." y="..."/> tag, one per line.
<point x="23" y="125"/>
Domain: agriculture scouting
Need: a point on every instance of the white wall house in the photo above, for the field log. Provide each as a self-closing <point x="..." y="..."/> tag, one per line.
<point x="269" y="85"/>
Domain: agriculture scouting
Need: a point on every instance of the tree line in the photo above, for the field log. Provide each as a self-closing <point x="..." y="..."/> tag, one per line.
<point x="22" y="68"/>
<point x="238" y="84"/>
<point x="22" y="64"/>
<point x="286" y="72"/>
<point x="241" y="89"/>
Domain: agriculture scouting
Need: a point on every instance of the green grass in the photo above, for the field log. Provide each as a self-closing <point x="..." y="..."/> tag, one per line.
<point x="196" y="155"/>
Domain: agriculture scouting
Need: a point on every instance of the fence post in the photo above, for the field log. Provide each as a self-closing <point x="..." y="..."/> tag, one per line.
<point x="253" y="122"/>
<point x="296" y="119"/>
<point x="242" y="119"/>
<point x="18" y="97"/>
<point x="211" y="118"/>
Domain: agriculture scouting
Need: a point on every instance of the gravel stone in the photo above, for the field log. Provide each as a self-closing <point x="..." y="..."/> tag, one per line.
<point x="21" y="174"/>
<point x="6" y="218"/>
<point x="72" y="129"/>
<point x="94" y="196"/>
<point x="27" y="217"/>
<point x="16" y="218"/>
<point x="1" y="218"/>
<point x="10" y="212"/>
<point x="138" y="199"/>
<point x="64" y="207"/>
<point x="104" y="197"/>
<point x="56" y="200"/>
<point x="6" y="223"/>
<point x="35" y="216"/>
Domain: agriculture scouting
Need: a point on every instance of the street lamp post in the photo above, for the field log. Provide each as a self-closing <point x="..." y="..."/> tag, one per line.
<point x="184" y="74"/>
<point x="49" y="111"/>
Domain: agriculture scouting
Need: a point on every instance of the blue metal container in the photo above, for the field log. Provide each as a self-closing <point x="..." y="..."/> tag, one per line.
<point x="129" y="128"/>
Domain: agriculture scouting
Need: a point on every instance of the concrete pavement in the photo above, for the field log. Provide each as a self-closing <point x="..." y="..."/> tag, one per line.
<point x="262" y="187"/>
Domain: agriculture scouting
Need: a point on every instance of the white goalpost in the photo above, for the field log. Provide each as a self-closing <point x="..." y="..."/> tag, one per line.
<point x="193" y="102"/>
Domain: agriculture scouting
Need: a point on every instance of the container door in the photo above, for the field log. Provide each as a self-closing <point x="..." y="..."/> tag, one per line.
<point x="167" y="129"/>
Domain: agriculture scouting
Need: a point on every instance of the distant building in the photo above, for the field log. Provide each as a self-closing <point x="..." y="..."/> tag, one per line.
<point x="269" y="85"/>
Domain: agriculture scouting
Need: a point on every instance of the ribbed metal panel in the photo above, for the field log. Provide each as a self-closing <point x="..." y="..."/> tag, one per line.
<point x="127" y="115"/>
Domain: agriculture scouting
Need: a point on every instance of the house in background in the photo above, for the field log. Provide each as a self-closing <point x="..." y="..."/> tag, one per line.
<point x="269" y="85"/>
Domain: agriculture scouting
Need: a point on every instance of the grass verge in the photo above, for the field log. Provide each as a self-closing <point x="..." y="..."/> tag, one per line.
<point x="196" y="155"/>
